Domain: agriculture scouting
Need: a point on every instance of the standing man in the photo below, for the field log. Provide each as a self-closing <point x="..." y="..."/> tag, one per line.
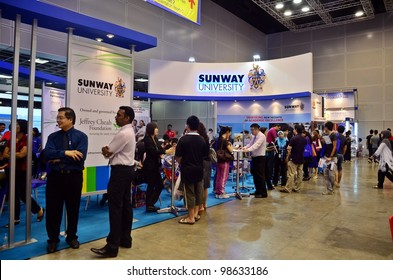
<point x="121" y="153"/>
<point x="65" y="152"/>
<point x="295" y="160"/>
<point x="190" y="152"/>
<point x="170" y="132"/>
<point x="270" y="153"/>
<point x="368" y="143"/>
<point x="329" y="138"/>
<point x="257" y="147"/>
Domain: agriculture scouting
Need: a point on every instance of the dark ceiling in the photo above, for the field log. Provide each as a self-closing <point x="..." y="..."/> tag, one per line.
<point x="263" y="14"/>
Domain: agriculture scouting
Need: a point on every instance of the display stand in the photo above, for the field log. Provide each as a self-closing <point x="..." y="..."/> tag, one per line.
<point x="238" y="194"/>
<point x="172" y="208"/>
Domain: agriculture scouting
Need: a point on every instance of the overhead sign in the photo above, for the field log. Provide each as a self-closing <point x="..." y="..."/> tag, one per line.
<point x="244" y="79"/>
<point x="188" y="9"/>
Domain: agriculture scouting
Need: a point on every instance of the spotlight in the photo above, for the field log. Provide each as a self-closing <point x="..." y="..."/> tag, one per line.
<point x="110" y="36"/>
<point x="99" y="39"/>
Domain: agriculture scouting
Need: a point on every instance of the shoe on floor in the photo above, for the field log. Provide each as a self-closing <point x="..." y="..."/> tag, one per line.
<point x="52" y="247"/>
<point x="222" y="196"/>
<point x="152" y="208"/>
<point x="16" y="222"/>
<point x="105" y="252"/>
<point x="327" y="193"/>
<point x="74" y="244"/>
<point x="40" y="215"/>
<point x="185" y="221"/>
<point x="284" y="190"/>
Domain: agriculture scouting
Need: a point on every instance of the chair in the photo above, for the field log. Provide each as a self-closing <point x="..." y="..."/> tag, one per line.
<point x="36" y="183"/>
<point x="3" y="195"/>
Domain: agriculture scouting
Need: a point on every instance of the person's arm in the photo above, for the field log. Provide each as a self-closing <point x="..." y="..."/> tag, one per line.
<point x="229" y="146"/>
<point x="333" y="150"/>
<point x="257" y="143"/>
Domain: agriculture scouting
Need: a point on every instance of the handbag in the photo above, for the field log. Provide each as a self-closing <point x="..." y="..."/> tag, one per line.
<point x="307" y="150"/>
<point x="223" y="155"/>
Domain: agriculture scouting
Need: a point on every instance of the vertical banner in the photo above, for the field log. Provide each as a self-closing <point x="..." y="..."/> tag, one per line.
<point x="142" y="110"/>
<point x="100" y="84"/>
<point x="52" y="100"/>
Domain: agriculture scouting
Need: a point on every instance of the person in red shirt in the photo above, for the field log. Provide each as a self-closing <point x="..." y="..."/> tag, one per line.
<point x="21" y="172"/>
<point x="170" y="132"/>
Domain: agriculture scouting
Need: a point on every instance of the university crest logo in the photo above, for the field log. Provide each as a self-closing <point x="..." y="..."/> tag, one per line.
<point x="120" y="87"/>
<point x="256" y="77"/>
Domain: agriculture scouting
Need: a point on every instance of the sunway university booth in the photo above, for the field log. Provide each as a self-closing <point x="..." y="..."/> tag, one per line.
<point x="263" y="92"/>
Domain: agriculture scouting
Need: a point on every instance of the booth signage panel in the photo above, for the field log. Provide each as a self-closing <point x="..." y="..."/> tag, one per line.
<point x="271" y="77"/>
<point x="316" y="108"/>
<point x="240" y="115"/>
<point x="52" y="100"/>
<point x="339" y="100"/>
<point x="100" y="84"/>
<point x="340" y="115"/>
<point x="188" y="9"/>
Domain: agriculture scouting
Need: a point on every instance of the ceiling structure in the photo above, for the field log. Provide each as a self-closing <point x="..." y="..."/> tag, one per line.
<point x="262" y="14"/>
<point x="273" y="16"/>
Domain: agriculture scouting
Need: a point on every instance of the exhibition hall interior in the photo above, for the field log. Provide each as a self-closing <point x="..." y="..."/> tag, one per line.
<point x="234" y="64"/>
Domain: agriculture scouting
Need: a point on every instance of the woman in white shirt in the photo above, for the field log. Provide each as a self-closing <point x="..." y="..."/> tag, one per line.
<point x="385" y="167"/>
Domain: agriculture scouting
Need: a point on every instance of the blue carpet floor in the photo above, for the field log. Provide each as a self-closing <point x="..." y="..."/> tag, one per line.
<point x="93" y="223"/>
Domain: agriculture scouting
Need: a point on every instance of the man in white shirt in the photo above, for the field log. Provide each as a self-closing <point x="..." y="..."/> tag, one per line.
<point x="121" y="154"/>
<point x="257" y="147"/>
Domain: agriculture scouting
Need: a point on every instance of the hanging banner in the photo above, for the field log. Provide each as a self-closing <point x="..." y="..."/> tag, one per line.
<point x="100" y="84"/>
<point x="52" y="100"/>
<point x="188" y="9"/>
<point x="142" y="110"/>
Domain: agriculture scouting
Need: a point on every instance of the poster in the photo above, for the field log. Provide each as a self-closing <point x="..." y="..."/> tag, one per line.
<point x="52" y="100"/>
<point x="100" y="84"/>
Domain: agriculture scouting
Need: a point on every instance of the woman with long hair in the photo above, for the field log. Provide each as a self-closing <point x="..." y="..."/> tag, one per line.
<point x="207" y="167"/>
<point x="152" y="165"/>
<point x="21" y="172"/>
<point x="385" y="166"/>
<point x="280" y="166"/>
<point x="222" y="168"/>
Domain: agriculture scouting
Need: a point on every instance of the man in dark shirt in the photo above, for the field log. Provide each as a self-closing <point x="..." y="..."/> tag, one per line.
<point x="329" y="138"/>
<point x="190" y="152"/>
<point x="368" y="142"/>
<point x="295" y="160"/>
<point x="65" y="152"/>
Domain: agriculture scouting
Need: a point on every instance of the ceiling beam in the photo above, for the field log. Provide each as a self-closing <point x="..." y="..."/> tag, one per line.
<point x="388" y="5"/>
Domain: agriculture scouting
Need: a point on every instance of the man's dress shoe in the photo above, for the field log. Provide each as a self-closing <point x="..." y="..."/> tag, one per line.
<point x="105" y="252"/>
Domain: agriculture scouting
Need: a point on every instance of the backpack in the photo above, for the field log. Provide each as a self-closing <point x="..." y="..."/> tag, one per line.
<point x="212" y="155"/>
<point x="307" y="149"/>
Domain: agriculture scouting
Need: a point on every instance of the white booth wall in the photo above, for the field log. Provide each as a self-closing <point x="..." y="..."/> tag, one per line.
<point x="176" y="113"/>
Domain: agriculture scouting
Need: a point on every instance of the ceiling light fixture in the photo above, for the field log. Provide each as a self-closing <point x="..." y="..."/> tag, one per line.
<point x="40" y="60"/>
<point x="256" y="57"/>
<point x="287" y="13"/>
<point x="279" y="6"/>
<point x="142" y="80"/>
<point x="110" y="36"/>
<point x="5" y="76"/>
<point x="191" y="59"/>
<point x="359" y="13"/>
<point x="297" y="1"/>
<point x="305" y="9"/>
<point x="99" y="39"/>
